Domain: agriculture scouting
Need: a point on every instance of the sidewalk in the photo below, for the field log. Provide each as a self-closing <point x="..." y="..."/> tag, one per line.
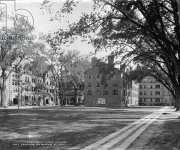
<point x="123" y="138"/>
<point x="163" y="134"/>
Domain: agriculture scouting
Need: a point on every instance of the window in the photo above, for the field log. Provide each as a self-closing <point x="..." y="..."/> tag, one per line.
<point x="89" y="84"/>
<point x="151" y="100"/>
<point x="33" y="80"/>
<point x="26" y="89"/>
<point x="140" y="93"/>
<point x="151" y="93"/>
<point x="98" y="92"/>
<point x="15" y="90"/>
<point x="15" y="83"/>
<point x="157" y="100"/>
<point x="89" y="92"/>
<point x="105" y="92"/>
<point x="51" y="91"/>
<point x="140" y="86"/>
<point x="140" y="100"/>
<point x="144" y="92"/>
<point x="115" y="92"/>
<point x="151" y="87"/>
<point x="157" y="93"/>
<point x="101" y="101"/>
<point x="98" y="85"/>
<point x="158" y="86"/>
<point x="89" y="76"/>
<point x="144" y="86"/>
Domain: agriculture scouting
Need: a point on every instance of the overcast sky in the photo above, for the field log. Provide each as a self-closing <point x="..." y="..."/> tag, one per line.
<point x="42" y="21"/>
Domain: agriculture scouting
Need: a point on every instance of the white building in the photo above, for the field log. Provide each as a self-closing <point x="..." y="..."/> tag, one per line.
<point x="152" y="92"/>
<point x="27" y="89"/>
<point x="133" y="94"/>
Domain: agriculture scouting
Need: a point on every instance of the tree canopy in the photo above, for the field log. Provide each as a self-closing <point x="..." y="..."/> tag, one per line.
<point x="146" y="32"/>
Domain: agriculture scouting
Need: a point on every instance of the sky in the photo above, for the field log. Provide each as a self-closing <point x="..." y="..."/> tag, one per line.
<point x="41" y="18"/>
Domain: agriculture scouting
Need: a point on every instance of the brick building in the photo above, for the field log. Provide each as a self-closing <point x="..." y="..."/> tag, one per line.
<point x="151" y="92"/>
<point x="103" y="93"/>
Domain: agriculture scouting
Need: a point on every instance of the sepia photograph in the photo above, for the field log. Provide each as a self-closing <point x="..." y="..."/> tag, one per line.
<point x="89" y="74"/>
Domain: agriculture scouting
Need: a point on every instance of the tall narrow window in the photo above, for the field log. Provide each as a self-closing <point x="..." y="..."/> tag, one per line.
<point x="115" y="92"/>
<point x="89" y="84"/>
<point x="98" y="84"/>
<point x="89" y="92"/>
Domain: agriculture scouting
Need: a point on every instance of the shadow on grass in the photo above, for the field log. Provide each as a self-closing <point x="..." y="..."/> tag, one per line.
<point x="62" y="141"/>
<point x="59" y="129"/>
<point x="168" y="138"/>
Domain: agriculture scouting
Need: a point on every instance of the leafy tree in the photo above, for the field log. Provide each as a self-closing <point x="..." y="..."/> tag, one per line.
<point x="146" y="32"/>
<point x="39" y="67"/>
<point x="15" y="46"/>
<point x="74" y="68"/>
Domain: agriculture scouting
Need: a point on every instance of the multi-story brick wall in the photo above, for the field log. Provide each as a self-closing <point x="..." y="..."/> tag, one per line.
<point x="152" y="92"/>
<point x="100" y="94"/>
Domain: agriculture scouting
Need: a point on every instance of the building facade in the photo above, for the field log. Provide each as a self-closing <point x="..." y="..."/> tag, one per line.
<point x="28" y="89"/>
<point x="132" y="93"/>
<point x="98" y="93"/>
<point x="152" y="92"/>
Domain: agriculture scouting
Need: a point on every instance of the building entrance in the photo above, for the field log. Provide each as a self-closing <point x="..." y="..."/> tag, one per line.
<point x="15" y="101"/>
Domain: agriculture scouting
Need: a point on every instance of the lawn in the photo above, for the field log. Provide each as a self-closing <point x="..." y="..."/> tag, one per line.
<point x="163" y="134"/>
<point x="61" y="128"/>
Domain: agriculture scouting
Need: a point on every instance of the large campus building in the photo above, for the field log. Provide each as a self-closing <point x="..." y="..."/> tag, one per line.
<point x="151" y="92"/>
<point x="105" y="86"/>
<point x="132" y="96"/>
<point x="28" y="89"/>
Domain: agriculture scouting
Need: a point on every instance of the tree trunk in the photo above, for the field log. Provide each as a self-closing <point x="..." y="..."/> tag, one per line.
<point x="3" y="91"/>
<point x="177" y="98"/>
<point x="75" y="96"/>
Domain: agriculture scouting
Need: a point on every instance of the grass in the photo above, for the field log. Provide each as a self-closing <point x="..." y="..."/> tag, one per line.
<point x="169" y="137"/>
<point x="164" y="134"/>
<point x="61" y="128"/>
